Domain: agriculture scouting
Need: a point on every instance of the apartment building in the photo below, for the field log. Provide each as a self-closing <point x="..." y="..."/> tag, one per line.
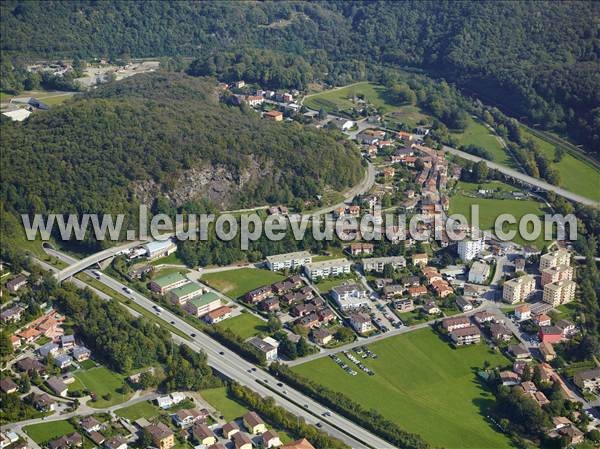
<point x="466" y="336"/>
<point x="469" y="248"/>
<point x="554" y="259"/>
<point x="334" y="267"/>
<point x="518" y="289"/>
<point x="378" y="263"/>
<point x="556" y="274"/>
<point x="559" y="292"/>
<point x="288" y="260"/>
<point x="163" y="284"/>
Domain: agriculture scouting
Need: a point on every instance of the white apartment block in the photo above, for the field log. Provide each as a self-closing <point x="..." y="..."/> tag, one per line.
<point x="288" y="260"/>
<point x="350" y="296"/>
<point x="377" y="263"/>
<point x="518" y="289"/>
<point x="334" y="267"/>
<point x="554" y="259"/>
<point x="559" y="292"/>
<point x="469" y="248"/>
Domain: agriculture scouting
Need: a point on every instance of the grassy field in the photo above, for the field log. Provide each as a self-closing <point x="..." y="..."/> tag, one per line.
<point x="490" y="209"/>
<point x="409" y="115"/>
<point x="476" y="133"/>
<point x="140" y="410"/>
<point x="43" y="432"/>
<point x="235" y="283"/>
<point x="51" y="98"/>
<point x="327" y="284"/>
<point x="576" y="174"/>
<point x="171" y="259"/>
<point x="245" y="325"/>
<point x="424" y="386"/>
<point x="102" y="381"/>
<point x="340" y="99"/>
<point x="217" y="397"/>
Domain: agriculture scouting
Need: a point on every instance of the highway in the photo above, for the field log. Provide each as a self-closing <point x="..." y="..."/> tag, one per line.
<point x="233" y="366"/>
<point x="534" y="182"/>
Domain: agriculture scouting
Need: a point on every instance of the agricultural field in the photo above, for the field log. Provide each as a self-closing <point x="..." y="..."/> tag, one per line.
<point x="171" y="259"/>
<point x="476" y="133"/>
<point x="236" y="283"/>
<point x="245" y="325"/>
<point x="339" y="99"/>
<point x="491" y="208"/>
<point x="410" y="115"/>
<point x="569" y="166"/>
<point x="419" y="380"/>
<point x="102" y="382"/>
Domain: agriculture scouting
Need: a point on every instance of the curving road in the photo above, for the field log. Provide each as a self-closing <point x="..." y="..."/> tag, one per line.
<point x="233" y="366"/>
<point x="526" y="179"/>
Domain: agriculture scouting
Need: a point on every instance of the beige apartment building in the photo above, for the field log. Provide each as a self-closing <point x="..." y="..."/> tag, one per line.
<point x="518" y="289"/>
<point x="559" y="292"/>
<point x="555" y="259"/>
<point x="557" y="273"/>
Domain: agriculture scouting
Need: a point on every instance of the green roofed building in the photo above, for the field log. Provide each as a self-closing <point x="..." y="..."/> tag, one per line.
<point x="163" y="284"/>
<point x="203" y="304"/>
<point x="183" y="294"/>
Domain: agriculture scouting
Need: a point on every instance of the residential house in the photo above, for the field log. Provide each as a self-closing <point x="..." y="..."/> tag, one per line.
<point x="81" y="353"/>
<point x="523" y="312"/>
<point x="203" y="434"/>
<point x="431" y="308"/>
<point x="267" y="349"/>
<point x="298" y="444"/>
<point x="321" y="336"/>
<point x="550" y="334"/>
<point x="509" y="378"/>
<point x="162" y="436"/>
<point x="393" y="291"/>
<point x="218" y="315"/>
<point x="57" y="385"/>
<point x="325" y="315"/>
<point x="186" y="417"/>
<point x="519" y="351"/>
<point x="453" y="323"/>
<point x="361" y="323"/>
<point x="287" y="285"/>
<point x="420" y="259"/>
<point x="90" y="424"/>
<point x="259" y="294"/>
<point x="567" y="328"/>
<point x="30" y="365"/>
<point x="564" y="428"/>
<point x="542" y="320"/>
<point x="16" y="283"/>
<point x="587" y="379"/>
<point x="116" y="443"/>
<point x="273" y="115"/>
<point x="404" y="305"/>
<point x="254" y="423"/>
<point x="442" y="288"/>
<point x="12" y="314"/>
<point x="230" y="429"/>
<point x="415" y="292"/>
<point x="242" y="441"/>
<point x="356" y="249"/>
<point x="48" y="349"/>
<point x="63" y="361"/>
<point x="8" y="386"/>
<point x="500" y="332"/>
<point x="66" y="441"/>
<point x="270" y="439"/>
<point x="203" y="304"/>
<point x="547" y="351"/>
<point x="483" y="317"/>
<point x="269" y="305"/>
<point x="43" y="402"/>
<point x="67" y="341"/>
<point x="463" y="304"/>
<point x="15" y="342"/>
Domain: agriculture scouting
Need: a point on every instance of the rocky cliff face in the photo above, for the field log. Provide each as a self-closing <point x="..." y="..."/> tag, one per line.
<point x="217" y="183"/>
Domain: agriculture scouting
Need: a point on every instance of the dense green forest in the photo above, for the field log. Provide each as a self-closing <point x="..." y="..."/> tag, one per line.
<point x="166" y="140"/>
<point x="535" y="60"/>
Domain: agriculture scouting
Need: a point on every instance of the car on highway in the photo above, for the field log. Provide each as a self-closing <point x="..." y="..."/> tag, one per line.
<point x="221" y="353"/>
<point x="126" y="290"/>
<point x="193" y="335"/>
<point x="305" y="405"/>
<point x="279" y="384"/>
